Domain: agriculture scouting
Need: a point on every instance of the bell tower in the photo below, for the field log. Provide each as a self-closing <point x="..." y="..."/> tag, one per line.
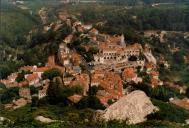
<point x="123" y="40"/>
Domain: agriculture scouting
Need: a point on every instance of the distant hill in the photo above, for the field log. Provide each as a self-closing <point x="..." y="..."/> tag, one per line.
<point x="14" y="21"/>
<point x="141" y="2"/>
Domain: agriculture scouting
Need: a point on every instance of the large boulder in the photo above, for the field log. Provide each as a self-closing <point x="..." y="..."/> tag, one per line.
<point x="132" y="109"/>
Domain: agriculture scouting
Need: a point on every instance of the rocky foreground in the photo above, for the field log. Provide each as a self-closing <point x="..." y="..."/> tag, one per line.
<point x="131" y="109"/>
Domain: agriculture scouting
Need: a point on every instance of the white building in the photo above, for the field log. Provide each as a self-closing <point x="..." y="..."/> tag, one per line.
<point x="64" y="54"/>
<point x="114" y="50"/>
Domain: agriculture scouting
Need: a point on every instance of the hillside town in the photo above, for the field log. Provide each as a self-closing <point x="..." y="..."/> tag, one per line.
<point x="94" y="64"/>
<point x="115" y="66"/>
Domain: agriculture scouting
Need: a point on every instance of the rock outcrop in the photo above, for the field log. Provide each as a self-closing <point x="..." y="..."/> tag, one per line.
<point x="43" y="13"/>
<point x="131" y="109"/>
<point x="44" y="119"/>
<point x="4" y="120"/>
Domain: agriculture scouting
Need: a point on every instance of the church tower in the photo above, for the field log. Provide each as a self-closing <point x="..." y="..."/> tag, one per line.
<point x="123" y="40"/>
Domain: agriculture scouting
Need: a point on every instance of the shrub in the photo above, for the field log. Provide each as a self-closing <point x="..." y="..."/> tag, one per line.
<point x="110" y="101"/>
<point x="2" y="86"/>
<point x="33" y="90"/>
<point x="58" y="93"/>
<point x="4" y="71"/>
<point x="9" y="94"/>
<point x="169" y="112"/>
<point x="160" y="93"/>
<point x="68" y="91"/>
<point x="21" y="75"/>
<point x="94" y="90"/>
<point x="90" y="102"/>
<point x="50" y="74"/>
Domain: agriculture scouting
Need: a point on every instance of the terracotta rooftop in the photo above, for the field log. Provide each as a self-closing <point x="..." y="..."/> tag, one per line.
<point x="75" y="98"/>
<point x="32" y="77"/>
<point x="129" y="73"/>
<point x="81" y="80"/>
<point x="154" y="73"/>
<point x="114" y="39"/>
<point x="154" y="82"/>
<point x="27" y="68"/>
<point x="150" y="66"/>
<point x="41" y="69"/>
<point x="110" y="81"/>
<point x="76" y="58"/>
<point x="23" y="83"/>
<point x="117" y="48"/>
<point x="94" y="30"/>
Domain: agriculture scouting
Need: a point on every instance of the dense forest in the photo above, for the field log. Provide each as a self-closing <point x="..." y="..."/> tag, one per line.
<point x="142" y="2"/>
<point x="175" y="18"/>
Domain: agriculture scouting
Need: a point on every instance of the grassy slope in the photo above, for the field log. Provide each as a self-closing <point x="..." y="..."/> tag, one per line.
<point x="15" y="21"/>
<point x="72" y="117"/>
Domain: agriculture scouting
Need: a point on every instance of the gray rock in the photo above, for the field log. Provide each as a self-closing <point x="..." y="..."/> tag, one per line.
<point x="132" y="109"/>
<point x="44" y="119"/>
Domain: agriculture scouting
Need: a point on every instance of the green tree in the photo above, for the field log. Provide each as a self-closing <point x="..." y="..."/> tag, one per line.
<point x="169" y="112"/>
<point x="90" y="102"/>
<point x="10" y="94"/>
<point x="178" y="58"/>
<point x="33" y="90"/>
<point x="187" y="92"/>
<point x="160" y="93"/>
<point x="35" y="101"/>
<point x="20" y="77"/>
<point x="2" y="86"/>
<point x="50" y="74"/>
<point x="94" y="90"/>
<point x="4" y="71"/>
<point x="57" y="93"/>
<point x="63" y="32"/>
<point x="54" y="92"/>
<point x="110" y="101"/>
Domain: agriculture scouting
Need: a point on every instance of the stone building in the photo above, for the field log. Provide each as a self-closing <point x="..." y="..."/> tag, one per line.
<point x="114" y="50"/>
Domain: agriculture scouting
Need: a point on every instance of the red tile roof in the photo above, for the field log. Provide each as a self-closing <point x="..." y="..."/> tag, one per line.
<point x="129" y="73"/>
<point x="154" y="82"/>
<point x="75" y="98"/>
<point x="154" y="73"/>
<point x="32" y="77"/>
<point x="23" y="83"/>
<point x="41" y="69"/>
<point x="150" y="66"/>
<point x="109" y="81"/>
<point x="93" y="30"/>
<point x="27" y="68"/>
